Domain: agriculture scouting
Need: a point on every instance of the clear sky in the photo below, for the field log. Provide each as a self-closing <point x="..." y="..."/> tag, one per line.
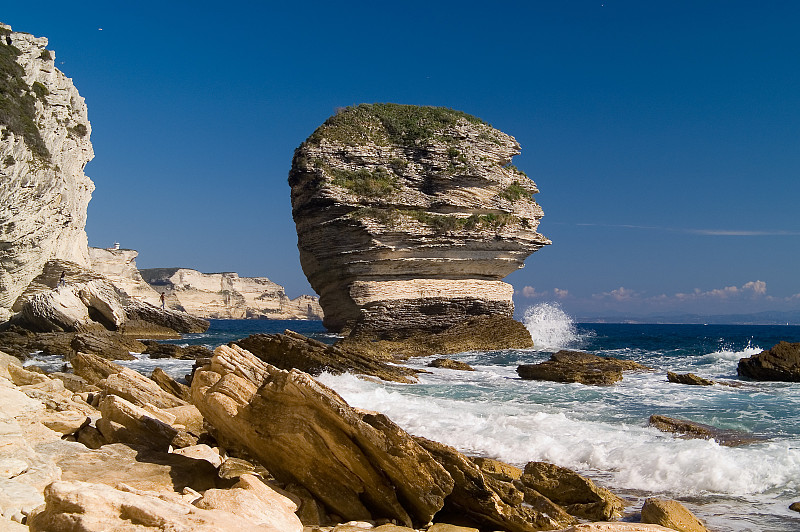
<point x="664" y="136"/>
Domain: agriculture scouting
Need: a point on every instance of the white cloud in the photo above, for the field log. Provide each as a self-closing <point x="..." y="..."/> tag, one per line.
<point x="560" y="294"/>
<point x="529" y="291"/>
<point x="753" y="288"/>
<point x="619" y="294"/>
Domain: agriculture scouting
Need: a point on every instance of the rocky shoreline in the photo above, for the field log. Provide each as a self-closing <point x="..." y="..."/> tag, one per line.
<point x="251" y="445"/>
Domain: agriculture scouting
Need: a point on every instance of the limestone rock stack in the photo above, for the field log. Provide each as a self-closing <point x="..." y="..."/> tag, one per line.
<point x="119" y="266"/>
<point x="45" y="145"/>
<point x="410" y="217"/>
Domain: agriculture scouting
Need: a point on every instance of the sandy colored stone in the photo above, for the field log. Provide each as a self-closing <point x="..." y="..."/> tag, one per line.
<point x="491" y="502"/>
<point x="359" y="464"/>
<point x="254" y="501"/>
<point x="87" y="507"/>
<point x="671" y="514"/>
<point x="124" y="422"/>
<point x="616" y="527"/>
<point x="577" y="494"/>
<point x="201" y="452"/>
<point x="444" y="527"/>
<point x="170" y="385"/>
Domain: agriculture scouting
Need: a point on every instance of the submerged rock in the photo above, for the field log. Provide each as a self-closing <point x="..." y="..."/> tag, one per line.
<point x="688" y="378"/>
<point x="409" y="217"/>
<point x="450" y="364"/>
<point x="691" y="429"/>
<point x="576" y="366"/>
<point x="780" y="363"/>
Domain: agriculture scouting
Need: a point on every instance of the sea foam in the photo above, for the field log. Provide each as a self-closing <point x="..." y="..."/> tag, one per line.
<point x="551" y="328"/>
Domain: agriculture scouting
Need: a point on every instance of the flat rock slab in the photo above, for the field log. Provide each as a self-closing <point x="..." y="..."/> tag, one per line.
<point x="576" y="366"/>
<point x="691" y="429"/>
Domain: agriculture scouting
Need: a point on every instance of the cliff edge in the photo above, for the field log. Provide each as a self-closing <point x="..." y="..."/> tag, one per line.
<point x="45" y="146"/>
<point x="408" y="218"/>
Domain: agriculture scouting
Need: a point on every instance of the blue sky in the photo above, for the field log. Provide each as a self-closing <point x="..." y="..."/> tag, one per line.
<point x="664" y="136"/>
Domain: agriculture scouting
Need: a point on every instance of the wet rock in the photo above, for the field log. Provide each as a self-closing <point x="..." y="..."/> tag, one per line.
<point x="691" y="429"/>
<point x="359" y="464"/>
<point x="688" y="378"/>
<point x="671" y="514"/>
<point x="110" y="345"/>
<point x="780" y="363"/>
<point x="191" y="352"/>
<point x="291" y="350"/>
<point x="489" y="503"/>
<point x="578" y="495"/>
<point x="450" y="364"/>
<point x="575" y="366"/>
<point x="165" y="318"/>
<point x="479" y="333"/>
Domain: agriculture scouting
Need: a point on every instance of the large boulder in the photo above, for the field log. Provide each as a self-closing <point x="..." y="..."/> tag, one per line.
<point x="88" y="507"/>
<point x="410" y="217"/>
<point x="576" y="366"/>
<point x="780" y="363"/>
<point x="577" y="494"/>
<point x="291" y="350"/>
<point x="671" y="514"/>
<point x="491" y="501"/>
<point x="358" y="463"/>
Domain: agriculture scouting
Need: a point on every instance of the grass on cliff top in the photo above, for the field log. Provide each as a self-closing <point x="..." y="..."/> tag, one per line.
<point x="389" y="123"/>
<point x="18" y="102"/>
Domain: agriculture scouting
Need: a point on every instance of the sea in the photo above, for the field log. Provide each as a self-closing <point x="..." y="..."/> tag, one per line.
<point x="600" y="431"/>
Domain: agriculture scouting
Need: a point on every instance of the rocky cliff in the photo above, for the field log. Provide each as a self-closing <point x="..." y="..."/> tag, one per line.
<point x="410" y="217"/>
<point x="226" y="295"/>
<point x="44" y="146"/>
<point x="119" y="266"/>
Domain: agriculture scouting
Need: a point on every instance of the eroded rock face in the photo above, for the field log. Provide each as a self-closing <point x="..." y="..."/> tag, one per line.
<point x="780" y="363"/>
<point x="409" y="217"/>
<point x="44" y="146"/>
<point x="359" y="464"/>
<point x="226" y="295"/>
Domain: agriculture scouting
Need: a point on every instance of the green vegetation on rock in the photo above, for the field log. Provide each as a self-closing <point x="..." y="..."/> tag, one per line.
<point x="514" y="192"/>
<point x="79" y="130"/>
<point x="40" y="90"/>
<point x="18" y="103"/>
<point x="371" y="184"/>
<point x="439" y="223"/>
<point x="389" y="123"/>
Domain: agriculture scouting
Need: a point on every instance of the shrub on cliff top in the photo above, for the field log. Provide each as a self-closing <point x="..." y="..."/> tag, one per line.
<point x="389" y="123"/>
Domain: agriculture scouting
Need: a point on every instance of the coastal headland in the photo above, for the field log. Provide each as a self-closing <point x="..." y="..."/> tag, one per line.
<point x="408" y="219"/>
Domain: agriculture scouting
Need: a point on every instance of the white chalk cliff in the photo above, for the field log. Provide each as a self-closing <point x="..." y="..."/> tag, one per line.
<point x="226" y="295"/>
<point x="44" y="147"/>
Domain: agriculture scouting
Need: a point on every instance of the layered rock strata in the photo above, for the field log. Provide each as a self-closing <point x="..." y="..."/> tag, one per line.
<point x="44" y="147"/>
<point x="226" y="295"/>
<point x="409" y="217"/>
<point x="119" y="266"/>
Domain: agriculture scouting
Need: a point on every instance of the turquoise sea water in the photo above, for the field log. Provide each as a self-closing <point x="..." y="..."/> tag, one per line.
<point x="602" y="431"/>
